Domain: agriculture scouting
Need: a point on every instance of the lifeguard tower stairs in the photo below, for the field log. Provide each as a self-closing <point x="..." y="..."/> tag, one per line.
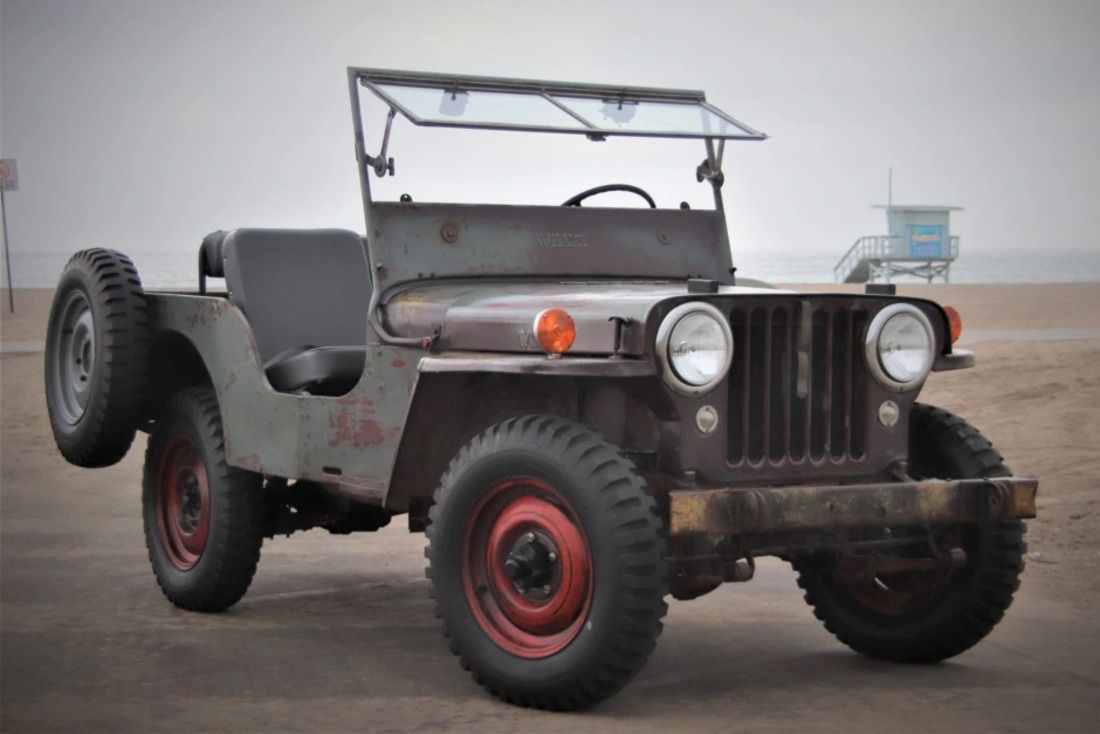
<point x="920" y="244"/>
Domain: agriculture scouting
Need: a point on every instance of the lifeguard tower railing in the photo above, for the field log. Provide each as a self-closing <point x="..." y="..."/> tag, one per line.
<point x="885" y="256"/>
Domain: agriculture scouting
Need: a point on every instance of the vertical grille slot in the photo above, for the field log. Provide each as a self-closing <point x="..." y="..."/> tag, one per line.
<point x="738" y="389"/>
<point x="779" y="368"/>
<point x="769" y="422"/>
<point x="819" y="384"/>
<point x="859" y="379"/>
<point x="840" y="425"/>
<point x="758" y="381"/>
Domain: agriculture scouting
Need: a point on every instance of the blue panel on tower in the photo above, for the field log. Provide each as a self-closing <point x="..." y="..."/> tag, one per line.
<point x="926" y="240"/>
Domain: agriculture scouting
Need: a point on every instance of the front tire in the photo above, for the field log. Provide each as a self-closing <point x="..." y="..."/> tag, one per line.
<point x="203" y="518"/>
<point x="547" y="563"/>
<point x="926" y="616"/>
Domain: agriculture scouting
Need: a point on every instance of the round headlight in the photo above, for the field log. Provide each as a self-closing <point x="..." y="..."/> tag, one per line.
<point x="900" y="346"/>
<point x="695" y="346"/>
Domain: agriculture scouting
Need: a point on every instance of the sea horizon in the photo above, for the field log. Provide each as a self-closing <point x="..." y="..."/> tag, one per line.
<point x="178" y="268"/>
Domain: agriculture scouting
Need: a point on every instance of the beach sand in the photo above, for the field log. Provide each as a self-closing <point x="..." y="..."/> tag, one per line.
<point x="1035" y="392"/>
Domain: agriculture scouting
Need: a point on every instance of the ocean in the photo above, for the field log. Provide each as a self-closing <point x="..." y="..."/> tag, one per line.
<point x="179" y="269"/>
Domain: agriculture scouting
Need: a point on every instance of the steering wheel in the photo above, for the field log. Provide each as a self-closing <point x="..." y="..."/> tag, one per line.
<point x="576" y="200"/>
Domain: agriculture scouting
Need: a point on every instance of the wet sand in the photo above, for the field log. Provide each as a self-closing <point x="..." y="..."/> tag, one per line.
<point x="337" y="633"/>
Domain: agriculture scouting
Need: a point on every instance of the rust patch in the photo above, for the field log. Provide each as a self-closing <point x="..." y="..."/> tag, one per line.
<point x="369" y="434"/>
<point x="252" y="462"/>
<point x="351" y="429"/>
<point x="230" y="381"/>
<point x="398" y="362"/>
<point x="250" y="350"/>
<point x="449" y="232"/>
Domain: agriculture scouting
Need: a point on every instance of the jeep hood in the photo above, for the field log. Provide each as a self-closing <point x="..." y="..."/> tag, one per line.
<point x="499" y="317"/>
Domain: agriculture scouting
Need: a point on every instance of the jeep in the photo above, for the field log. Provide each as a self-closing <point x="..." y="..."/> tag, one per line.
<point x="584" y="408"/>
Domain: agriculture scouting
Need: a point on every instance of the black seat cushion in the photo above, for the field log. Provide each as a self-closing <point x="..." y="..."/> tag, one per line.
<point x="317" y="370"/>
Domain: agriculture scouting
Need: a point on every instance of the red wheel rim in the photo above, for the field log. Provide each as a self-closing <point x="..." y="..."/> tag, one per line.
<point x="182" y="501"/>
<point x="538" y="614"/>
<point x="899" y="592"/>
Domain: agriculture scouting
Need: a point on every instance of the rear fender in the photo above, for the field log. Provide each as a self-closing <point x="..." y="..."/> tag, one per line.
<point x="348" y="442"/>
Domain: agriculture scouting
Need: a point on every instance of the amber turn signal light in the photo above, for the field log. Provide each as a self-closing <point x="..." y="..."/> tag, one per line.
<point x="555" y="330"/>
<point x="954" y="320"/>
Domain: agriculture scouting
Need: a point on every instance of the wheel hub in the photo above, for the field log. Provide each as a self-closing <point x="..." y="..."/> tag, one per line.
<point x="531" y="565"/>
<point x="72" y="359"/>
<point x="182" y="502"/>
<point x="190" y="510"/>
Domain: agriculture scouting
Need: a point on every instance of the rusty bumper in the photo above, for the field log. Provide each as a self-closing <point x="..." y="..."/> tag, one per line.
<point x="731" y="511"/>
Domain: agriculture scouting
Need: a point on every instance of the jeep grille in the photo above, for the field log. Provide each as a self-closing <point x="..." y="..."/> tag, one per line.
<point x="775" y="419"/>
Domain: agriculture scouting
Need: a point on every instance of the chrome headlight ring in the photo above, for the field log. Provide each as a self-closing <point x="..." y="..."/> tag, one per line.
<point x="663" y="346"/>
<point x="872" y="346"/>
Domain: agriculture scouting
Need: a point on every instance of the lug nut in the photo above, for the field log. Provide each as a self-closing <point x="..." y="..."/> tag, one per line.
<point x="553" y="556"/>
<point x="546" y="589"/>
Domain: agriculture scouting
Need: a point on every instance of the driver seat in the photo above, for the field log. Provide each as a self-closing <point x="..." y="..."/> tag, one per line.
<point x="305" y="293"/>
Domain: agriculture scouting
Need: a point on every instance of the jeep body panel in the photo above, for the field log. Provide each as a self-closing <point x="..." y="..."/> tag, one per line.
<point x="411" y="241"/>
<point x="499" y="315"/>
<point x="347" y="441"/>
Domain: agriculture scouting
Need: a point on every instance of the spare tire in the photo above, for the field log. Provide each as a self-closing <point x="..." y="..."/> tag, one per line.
<point x="97" y="357"/>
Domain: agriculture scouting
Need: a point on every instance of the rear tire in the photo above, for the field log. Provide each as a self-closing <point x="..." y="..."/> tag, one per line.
<point x="97" y="358"/>
<point x="944" y="616"/>
<point x="203" y="518"/>
<point x="572" y="623"/>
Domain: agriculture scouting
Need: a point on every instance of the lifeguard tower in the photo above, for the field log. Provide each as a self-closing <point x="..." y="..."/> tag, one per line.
<point x="919" y="244"/>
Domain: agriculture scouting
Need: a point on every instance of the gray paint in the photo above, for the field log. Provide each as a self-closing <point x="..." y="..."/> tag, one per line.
<point x="292" y="435"/>
<point x="414" y="241"/>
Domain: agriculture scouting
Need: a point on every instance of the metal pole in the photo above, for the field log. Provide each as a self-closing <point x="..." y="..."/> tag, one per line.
<point x="7" y="252"/>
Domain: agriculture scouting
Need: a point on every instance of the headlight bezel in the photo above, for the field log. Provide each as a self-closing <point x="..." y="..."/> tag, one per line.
<point x="664" y="334"/>
<point x="871" y="346"/>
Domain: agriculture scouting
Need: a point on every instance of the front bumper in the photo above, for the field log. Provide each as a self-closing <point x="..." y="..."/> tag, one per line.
<point x="740" y="511"/>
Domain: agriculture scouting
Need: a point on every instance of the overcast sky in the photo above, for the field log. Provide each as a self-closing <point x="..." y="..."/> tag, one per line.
<point x="144" y="124"/>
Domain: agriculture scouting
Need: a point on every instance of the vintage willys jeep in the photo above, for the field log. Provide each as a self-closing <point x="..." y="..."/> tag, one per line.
<point x="580" y="406"/>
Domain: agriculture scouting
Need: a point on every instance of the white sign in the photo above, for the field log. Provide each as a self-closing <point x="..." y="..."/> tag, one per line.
<point x="9" y="175"/>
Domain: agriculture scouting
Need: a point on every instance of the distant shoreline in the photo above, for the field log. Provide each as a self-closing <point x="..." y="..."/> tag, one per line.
<point x="177" y="268"/>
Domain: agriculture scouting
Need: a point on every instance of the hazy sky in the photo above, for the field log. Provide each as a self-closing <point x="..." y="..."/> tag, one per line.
<point x="143" y="125"/>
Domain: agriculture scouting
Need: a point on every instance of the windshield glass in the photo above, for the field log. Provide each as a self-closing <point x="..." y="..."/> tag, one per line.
<point x="620" y="115"/>
<point x="516" y="104"/>
<point x="485" y="108"/>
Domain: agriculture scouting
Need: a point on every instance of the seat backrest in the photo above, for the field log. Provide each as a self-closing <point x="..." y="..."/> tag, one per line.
<point x="299" y="287"/>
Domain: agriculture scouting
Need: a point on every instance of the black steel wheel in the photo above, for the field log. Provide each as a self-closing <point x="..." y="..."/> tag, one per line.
<point x="547" y="563"/>
<point x="203" y="518"/>
<point x="920" y="610"/>
<point x="97" y="357"/>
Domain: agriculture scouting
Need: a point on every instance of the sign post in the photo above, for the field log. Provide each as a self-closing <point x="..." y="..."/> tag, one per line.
<point x="9" y="181"/>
